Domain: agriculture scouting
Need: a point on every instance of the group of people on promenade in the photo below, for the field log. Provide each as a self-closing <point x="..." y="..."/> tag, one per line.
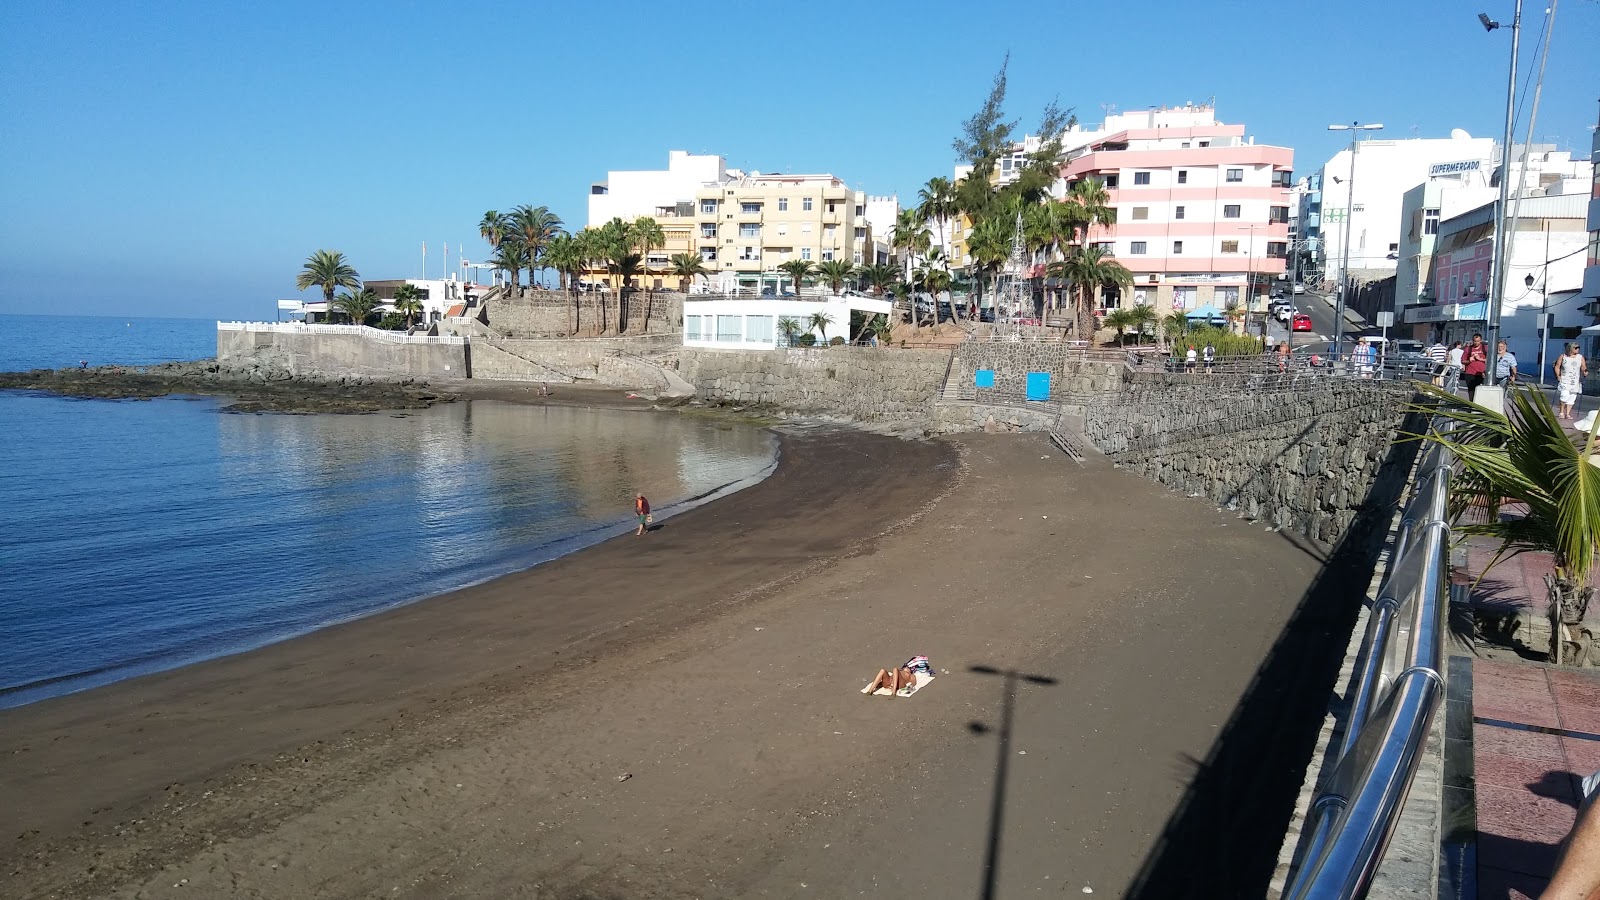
<point x="1470" y="363"/>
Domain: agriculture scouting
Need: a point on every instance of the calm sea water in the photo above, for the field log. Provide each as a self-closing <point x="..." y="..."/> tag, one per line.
<point x="137" y="536"/>
<point x="57" y="342"/>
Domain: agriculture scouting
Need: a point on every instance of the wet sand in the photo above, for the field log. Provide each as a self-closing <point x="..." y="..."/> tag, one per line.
<point x="679" y="716"/>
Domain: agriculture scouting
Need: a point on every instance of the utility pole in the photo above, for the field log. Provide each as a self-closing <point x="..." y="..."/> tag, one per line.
<point x="1502" y="253"/>
<point x="1355" y="129"/>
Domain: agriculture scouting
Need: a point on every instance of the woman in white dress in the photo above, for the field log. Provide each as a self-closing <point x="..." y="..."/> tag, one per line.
<point x="1570" y="368"/>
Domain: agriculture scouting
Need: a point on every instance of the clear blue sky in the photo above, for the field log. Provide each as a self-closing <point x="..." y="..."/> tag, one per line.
<point x="175" y="157"/>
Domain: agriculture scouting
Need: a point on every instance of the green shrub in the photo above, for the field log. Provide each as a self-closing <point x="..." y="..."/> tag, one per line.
<point x="392" y="322"/>
<point x="836" y="342"/>
<point x="807" y="340"/>
<point x="1227" y="342"/>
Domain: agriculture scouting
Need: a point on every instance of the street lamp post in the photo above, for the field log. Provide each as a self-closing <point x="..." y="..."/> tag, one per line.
<point x="1355" y="129"/>
<point x="1502" y="254"/>
<point x="1250" y="275"/>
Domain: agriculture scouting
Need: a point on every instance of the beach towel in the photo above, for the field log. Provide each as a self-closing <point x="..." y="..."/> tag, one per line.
<point x="922" y="679"/>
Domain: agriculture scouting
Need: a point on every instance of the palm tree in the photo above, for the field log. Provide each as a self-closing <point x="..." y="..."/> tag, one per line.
<point x="564" y="254"/>
<point x="534" y="226"/>
<point x="878" y="276"/>
<point x="1088" y="269"/>
<point x="358" y="305"/>
<point x="613" y="243"/>
<point x="408" y="302"/>
<point x="819" y="323"/>
<point x="1118" y="319"/>
<point x="329" y="270"/>
<point x="647" y="236"/>
<point x="1089" y="205"/>
<point x="493" y="227"/>
<point x="797" y="270"/>
<point x="835" y="272"/>
<point x="687" y="267"/>
<point x="989" y="243"/>
<point x="511" y="256"/>
<point x="935" y="281"/>
<point x="1525" y="457"/>
<point x="591" y="251"/>
<point x="789" y="327"/>
<point x="1174" y="325"/>
<point x="1144" y="318"/>
<point x="1234" y="314"/>
<point x="912" y="237"/>
<point x="937" y="202"/>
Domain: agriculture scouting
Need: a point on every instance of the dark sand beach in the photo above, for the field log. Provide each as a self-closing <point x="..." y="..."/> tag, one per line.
<point x="679" y="715"/>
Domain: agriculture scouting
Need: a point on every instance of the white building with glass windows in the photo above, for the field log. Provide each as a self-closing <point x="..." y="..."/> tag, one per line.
<point x="757" y="324"/>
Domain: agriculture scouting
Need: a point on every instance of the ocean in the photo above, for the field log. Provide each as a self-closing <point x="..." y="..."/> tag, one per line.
<point x="137" y="536"/>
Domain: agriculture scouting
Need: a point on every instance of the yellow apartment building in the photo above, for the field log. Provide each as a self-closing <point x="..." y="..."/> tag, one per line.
<point x="748" y="226"/>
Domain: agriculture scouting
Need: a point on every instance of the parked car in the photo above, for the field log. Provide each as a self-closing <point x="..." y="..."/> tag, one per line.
<point x="1299" y="289"/>
<point x="1302" y="322"/>
<point x="1283" y="313"/>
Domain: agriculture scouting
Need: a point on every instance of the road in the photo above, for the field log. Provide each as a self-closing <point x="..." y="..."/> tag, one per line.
<point x="1320" y="308"/>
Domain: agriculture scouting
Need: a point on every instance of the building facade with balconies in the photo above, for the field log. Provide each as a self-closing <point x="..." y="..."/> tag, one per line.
<point x="747" y="227"/>
<point x="1202" y="211"/>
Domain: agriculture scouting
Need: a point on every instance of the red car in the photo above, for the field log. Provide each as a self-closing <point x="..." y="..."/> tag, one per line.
<point x="1302" y="322"/>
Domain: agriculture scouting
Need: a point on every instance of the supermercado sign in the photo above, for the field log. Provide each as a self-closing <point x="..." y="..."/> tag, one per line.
<point x="1455" y="168"/>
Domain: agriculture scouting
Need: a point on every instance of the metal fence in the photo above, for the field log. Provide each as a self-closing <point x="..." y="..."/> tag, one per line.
<point x="377" y="334"/>
<point x="1397" y="690"/>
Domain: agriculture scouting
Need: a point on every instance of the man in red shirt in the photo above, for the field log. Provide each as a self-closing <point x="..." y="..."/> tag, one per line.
<point x="1474" y="362"/>
<point x="641" y="507"/>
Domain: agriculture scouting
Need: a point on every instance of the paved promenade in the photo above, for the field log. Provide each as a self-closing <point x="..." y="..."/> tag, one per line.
<point x="1520" y="736"/>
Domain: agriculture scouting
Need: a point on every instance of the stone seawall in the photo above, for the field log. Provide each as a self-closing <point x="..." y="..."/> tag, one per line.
<point x="1304" y="460"/>
<point x="551" y="313"/>
<point x="622" y="362"/>
<point x="323" y="355"/>
<point x="861" y="383"/>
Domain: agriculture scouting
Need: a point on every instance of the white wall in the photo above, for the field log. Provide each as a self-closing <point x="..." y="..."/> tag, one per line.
<point x="764" y="335"/>
<point x="637" y="193"/>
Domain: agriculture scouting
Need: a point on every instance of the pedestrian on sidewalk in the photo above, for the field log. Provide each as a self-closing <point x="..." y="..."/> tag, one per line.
<point x="1210" y="355"/>
<point x="1439" y="355"/>
<point x="1188" y="360"/>
<point x="641" y="508"/>
<point x="1474" y="363"/>
<point x="1505" y="365"/>
<point x="1570" y="370"/>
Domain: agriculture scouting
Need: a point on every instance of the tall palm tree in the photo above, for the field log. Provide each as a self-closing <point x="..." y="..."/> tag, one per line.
<point x="687" y="267"/>
<point x="1089" y="269"/>
<point x="937" y="203"/>
<point x="563" y="254"/>
<point x="819" y="322"/>
<point x="614" y="243"/>
<point x="511" y="256"/>
<point x="591" y="251"/>
<point x="1174" y="325"/>
<point x="408" y="302"/>
<point x="1525" y="457"/>
<point x="1089" y="205"/>
<point x="647" y="236"/>
<point x="534" y="226"/>
<point x="329" y="270"/>
<point x="989" y="244"/>
<point x="1144" y="318"/>
<point x="358" y="305"/>
<point x="878" y="276"/>
<point x="798" y="270"/>
<point x="935" y="281"/>
<point x="493" y="227"/>
<point x="835" y="272"/>
<point x="911" y="237"/>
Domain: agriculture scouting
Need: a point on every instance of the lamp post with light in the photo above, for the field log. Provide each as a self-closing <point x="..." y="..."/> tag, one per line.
<point x="1355" y="129"/>
<point x="1502" y="254"/>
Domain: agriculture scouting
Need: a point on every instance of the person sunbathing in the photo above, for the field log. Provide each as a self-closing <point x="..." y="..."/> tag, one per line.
<point x="893" y="679"/>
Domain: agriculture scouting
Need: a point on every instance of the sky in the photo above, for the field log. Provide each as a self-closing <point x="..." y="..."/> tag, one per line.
<point x="183" y="158"/>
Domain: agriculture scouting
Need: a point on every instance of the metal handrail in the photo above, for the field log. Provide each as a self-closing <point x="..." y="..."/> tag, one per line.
<point x="1397" y="691"/>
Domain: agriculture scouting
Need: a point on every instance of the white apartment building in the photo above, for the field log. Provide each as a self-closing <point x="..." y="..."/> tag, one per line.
<point x="630" y="194"/>
<point x="749" y="226"/>
<point x="1202" y="211"/>
<point x="1385" y="170"/>
<point x="1452" y="188"/>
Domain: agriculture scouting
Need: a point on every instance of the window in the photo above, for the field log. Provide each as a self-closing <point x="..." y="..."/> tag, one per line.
<point x="758" y="329"/>
<point x="805" y="204"/>
<point x="832" y="206"/>
<point x="805" y="252"/>
<point x="691" y="328"/>
<point x="1394" y="248"/>
<point x="730" y="328"/>
<point x="1228" y="296"/>
<point x="1230" y="246"/>
<point x="708" y="207"/>
<point x="861" y="234"/>
<point x="1005" y="164"/>
<point x="1141" y="212"/>
<point x="1183" y="176"/>
<point x="748" y="208"/>
<point x="1141" y="178"/>
<point x="1235" y="175"/>
<point x="783" y="204"/>
<point x="828" y="230"/>
<point x="749" y="230"/>
<point x="1278" y="215"/>
<point x="708" y="229"/>
<point x="1177" y="212"/>
<point x="1277" y="249"/>
<point x="1205" y="143"/>
<point x="857" y="259"/>
<point x="860" y="210"/>
<point x="1184" y="146"/>
<point x="1137" y="248"/>
<point x="749" y="254"/>
<point x="783" y="228"/>
<point x="827" y="256"/>
<point x="1177" y="247"/>
<point x="1453" y="285"/>
<point x="1282" y="179"/>
<point x="1109" y="248"/>
<point x="708" y="254"/>
<point x="1230" y="211"/>
<point x="1430" y="221"/>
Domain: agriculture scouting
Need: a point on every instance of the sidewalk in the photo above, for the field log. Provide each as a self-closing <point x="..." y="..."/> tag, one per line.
<point x="1520" y="734"/>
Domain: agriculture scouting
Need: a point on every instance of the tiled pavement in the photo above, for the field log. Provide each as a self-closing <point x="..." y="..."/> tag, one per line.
<point x="1520" y="734"/>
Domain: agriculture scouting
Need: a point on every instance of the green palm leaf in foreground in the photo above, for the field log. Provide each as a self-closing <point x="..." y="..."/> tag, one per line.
<point x="1525" y="456"/>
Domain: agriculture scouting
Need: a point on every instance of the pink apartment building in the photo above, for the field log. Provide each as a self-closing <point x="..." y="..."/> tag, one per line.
<point x="1202" y="211"/>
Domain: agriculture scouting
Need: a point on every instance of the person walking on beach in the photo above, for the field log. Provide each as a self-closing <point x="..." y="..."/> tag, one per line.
<point x="1570" y="368"/>
<point x="1474" y="363"/>
<point x="641" y="507"/>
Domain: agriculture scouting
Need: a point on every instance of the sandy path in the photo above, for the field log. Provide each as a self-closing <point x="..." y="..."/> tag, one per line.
<point x="754" y="768"/>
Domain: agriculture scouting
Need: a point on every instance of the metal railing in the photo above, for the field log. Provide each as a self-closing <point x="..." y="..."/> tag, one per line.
<point x="1397" y="690"/>
<point x="378" y="334"/>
